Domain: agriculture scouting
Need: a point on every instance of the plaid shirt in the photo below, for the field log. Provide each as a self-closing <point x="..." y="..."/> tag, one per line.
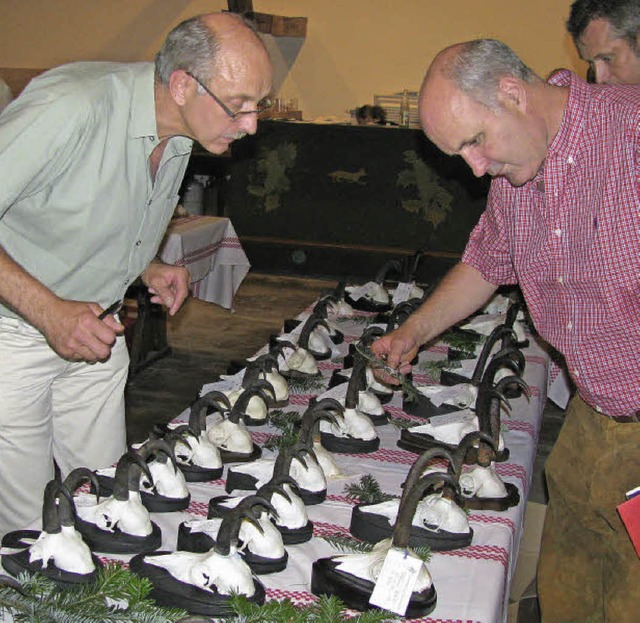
<point x="571" y="238"/>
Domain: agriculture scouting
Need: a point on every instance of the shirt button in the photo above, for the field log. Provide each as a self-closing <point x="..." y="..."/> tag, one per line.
<point x="570" y="160"/>
<point x="576" y="373"/>
<point x="560" y="279"/>
<point x="569" y="325"/>
<point x="138" y="243"/>
<point x="598" y="409"/>
<point x="557" y="232"/>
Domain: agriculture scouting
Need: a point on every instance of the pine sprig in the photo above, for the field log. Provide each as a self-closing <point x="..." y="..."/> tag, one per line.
<point x="348" y="544"/>
<point x="407" y="386"/>
<point x="326" y="609"/>
<point x="309" y="385"/>
<point x="465" y="342"/>
<point x="402" y="423"/>
<point x="434" y="368"/>
<point x="117" y="595"/>
<point x="367" y="491"/>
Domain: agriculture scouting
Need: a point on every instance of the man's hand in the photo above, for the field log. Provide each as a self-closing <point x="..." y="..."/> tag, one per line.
<point x="169" y="285"/>
<point x="398" y="349"/>
<point x="75" y="332"/>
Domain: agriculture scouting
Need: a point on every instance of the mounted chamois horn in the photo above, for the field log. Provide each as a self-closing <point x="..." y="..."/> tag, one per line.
<point x="368" y="402"/>
<point x="229" y="532"/>
<point x="300" y="364"/>
<point x="482" y="488"/>
<point x="301" y="463"/>
<point x="321" y="309"/>
<point x="81" y="474"/>
<point x="215" y="399"/>
<point x="439" y="521"/>
<point x="265" y="367"/>
<point x="261" y="389"/>
<point x="355" y="432"/>
<point x="399" y="314"/>
<point x="352" y="577"/>
<point x="118" y="524"/>
<point x="168" y="490"/>
<point x="411" y="495"/>
<point x="311" y="340"/>
<point x="320" y="410"/>
<point x="488" y="407"/>
<point x="388" y="268"/>
<point x="58" y="551"/>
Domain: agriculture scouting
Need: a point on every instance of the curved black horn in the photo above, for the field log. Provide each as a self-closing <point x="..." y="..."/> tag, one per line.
<point x="79" y="475"/>
<point x="229" y="531"/>
<point x="386" y="269"/>
<point x="490" y="342"/>
<point x="409" y="502"/>
<point x="50" y="515"/>
<point x="126" y="477"/>
<point x="312" y="323"/>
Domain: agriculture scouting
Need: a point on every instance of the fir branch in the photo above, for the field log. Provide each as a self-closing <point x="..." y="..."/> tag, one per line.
<point x="402" y="423"/>
<point x="309" y="385"/>
<point x="117" y="595"/>
<point x="348" y="544"/>
<point x="423" y="553"/>
<point x="433" y="369"/>
<point x="326" y="609"/>
<point x="367" y="491"/>
<point x="463" y="341"/>
<point x="284" y="420"/>
<point x="409" y="389"/>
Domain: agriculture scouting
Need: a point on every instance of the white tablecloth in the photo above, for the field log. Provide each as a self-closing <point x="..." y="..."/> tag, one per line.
<point x="472" y="583"/>
<point x="209" y="247"/>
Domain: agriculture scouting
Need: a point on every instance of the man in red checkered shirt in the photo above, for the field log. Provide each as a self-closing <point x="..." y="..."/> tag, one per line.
<point x="563" y="222"/>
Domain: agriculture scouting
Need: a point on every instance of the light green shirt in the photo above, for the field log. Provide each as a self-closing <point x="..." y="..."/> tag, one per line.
<point x="78" y="209"/>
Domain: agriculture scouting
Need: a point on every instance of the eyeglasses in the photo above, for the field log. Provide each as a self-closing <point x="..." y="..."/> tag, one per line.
<point x="234" y="116"/>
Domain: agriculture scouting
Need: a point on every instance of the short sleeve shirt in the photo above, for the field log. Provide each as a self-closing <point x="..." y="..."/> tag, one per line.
<point x="78" y="208"/>
<point x="571" y="238"/>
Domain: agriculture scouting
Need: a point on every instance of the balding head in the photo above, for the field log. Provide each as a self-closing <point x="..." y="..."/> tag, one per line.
<point x="196" y="45"/>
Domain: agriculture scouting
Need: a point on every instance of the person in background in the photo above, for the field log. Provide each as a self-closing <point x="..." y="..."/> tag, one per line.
<point x="562" y="221"/>
<point x="92" y="157"/>
<point x="371" y="115"/>
<point x="606" y="33"/>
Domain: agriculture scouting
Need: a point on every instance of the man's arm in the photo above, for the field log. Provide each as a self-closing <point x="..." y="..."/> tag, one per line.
<point x="72" y="328"/>
<point x="462" y="291"/>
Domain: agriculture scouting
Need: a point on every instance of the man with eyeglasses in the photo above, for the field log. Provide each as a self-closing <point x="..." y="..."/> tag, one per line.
<point x="92" y="158"/>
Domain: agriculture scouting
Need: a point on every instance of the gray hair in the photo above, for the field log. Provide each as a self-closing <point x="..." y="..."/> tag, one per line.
<point x="190" y="46"/>
<point x="622" y="15"/>
<point x="476" y="70"/>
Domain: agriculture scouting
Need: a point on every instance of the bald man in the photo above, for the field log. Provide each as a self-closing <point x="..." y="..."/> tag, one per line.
<point x="93" y="155"/>
<point x="562" y="221"/>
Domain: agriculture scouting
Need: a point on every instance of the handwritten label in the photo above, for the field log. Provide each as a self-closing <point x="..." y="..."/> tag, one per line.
<point x="403" y="292"/>
<point x="395" y="583"/>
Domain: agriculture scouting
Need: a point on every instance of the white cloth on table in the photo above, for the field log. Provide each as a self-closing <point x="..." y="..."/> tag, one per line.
<point x="209" y="248"/>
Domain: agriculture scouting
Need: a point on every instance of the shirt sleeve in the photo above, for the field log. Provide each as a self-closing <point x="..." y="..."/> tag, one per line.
<point x="39" y="133"/>
<point x="488" y="248"/>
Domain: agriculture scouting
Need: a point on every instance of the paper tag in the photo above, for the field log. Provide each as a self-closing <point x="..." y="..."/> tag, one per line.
<point x="402" y="293"/>
<point x="465" y="416"/>
<point x="357" y="292"/>
<point x="395" y="583"/>
<point x="339" y="392"/>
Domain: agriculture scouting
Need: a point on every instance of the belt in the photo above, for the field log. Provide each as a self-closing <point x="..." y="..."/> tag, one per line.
<point x="626" y="419"/>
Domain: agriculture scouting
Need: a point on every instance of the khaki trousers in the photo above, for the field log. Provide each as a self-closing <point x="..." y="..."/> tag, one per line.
<point x="51" y="408"/>
<point x="589" y="571"/>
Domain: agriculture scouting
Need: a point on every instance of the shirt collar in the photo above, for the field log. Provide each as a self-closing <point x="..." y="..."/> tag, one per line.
<point x="142" y="118"/>
<point x="567" y="141"/>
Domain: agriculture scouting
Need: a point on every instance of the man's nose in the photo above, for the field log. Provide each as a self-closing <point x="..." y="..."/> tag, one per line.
<point x="602" y="71"/>
<point x="478" y="163"/>
<point x="248" y="123"/>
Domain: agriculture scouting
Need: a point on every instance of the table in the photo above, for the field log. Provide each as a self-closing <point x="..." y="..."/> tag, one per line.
<point x="472" y="583"/>
<point x="209" y="247"/>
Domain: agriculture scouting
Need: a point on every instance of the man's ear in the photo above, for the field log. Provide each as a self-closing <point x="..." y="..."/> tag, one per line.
<point x="179" y="86"/>
<point x="512" y="94"/>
